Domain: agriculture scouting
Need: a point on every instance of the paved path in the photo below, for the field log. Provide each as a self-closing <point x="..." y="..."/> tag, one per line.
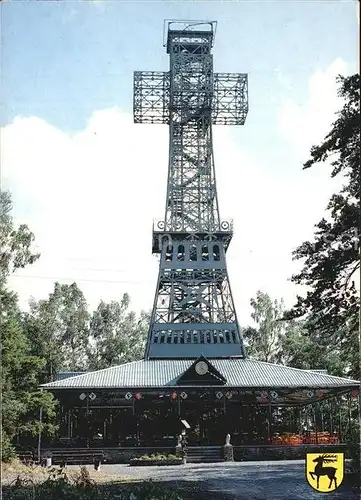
<point x="278" y="480"/>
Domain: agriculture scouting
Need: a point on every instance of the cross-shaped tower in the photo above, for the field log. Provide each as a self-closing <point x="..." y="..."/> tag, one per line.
<point x="193" y="312"/>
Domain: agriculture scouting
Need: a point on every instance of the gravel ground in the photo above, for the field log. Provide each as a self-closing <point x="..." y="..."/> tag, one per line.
<point x="278" y="480"/>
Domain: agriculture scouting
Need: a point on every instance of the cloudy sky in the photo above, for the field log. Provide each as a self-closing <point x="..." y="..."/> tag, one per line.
<point x="89" y="182"/>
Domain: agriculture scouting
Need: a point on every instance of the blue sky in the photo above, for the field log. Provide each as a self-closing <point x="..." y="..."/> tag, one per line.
<point x="64" y="61"/>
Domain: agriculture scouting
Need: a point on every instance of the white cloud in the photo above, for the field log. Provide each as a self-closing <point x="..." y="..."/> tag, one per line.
<point x="90" y="199"/>
<point x="306" y="124"/>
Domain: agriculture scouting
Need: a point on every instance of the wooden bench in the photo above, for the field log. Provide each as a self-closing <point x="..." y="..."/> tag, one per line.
<point x="77" y="457"/>
<point x="26" y="457"/>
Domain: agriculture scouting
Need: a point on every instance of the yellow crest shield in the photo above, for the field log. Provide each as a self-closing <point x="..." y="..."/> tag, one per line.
<point x="325" y="471"/>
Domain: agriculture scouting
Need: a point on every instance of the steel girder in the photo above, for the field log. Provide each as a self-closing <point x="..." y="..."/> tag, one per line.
<point x="151" y="104"/>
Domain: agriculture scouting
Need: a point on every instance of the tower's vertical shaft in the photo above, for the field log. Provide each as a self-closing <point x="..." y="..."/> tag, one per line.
<point x="191" y="197"/>
<point x="193" y="311"/>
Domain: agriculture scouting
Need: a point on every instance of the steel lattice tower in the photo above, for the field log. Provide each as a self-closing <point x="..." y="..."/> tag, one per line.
<point x="193" y="312"/>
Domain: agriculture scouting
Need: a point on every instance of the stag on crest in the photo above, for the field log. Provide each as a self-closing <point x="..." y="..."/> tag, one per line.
<point x="330" y="472"/>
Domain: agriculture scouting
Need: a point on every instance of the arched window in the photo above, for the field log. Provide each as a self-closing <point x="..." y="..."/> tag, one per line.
<point x="205" y="253"/>
<point x="193" y="253"/>
<point x="180" y="252"/>
<point x="216" y="253"/>
<point x="169" y="253"/>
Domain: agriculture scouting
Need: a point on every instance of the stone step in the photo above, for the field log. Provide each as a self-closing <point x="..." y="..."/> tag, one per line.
<point x="193" y="460"/>
<point x="203" y="454"/>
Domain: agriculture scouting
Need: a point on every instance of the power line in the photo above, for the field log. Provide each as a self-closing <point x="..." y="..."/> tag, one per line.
<point x="55" y="278"/>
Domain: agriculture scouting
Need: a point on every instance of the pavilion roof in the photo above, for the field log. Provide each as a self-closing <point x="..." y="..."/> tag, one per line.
<point x="238" y="372"/>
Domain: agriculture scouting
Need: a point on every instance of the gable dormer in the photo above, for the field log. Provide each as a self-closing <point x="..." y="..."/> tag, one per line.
<point x="201" y="372"/>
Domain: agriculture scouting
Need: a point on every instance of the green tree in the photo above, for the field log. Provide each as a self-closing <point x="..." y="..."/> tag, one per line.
<point x="20" y="370"/>
<point x="15" y="243"/>
<point x="299" y="350"/>
<point x="331" y="261"/>
<point x="117" y="334"/>
<point x="263" y="341"/>
<point x="59" y="329"/>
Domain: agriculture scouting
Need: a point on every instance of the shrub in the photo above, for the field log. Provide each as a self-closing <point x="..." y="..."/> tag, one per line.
<point x="59" y="486"/>
<point x="7" y="450"/>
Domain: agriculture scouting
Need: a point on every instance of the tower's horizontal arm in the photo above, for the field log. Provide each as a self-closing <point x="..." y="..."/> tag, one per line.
<point x="152" y="98"/>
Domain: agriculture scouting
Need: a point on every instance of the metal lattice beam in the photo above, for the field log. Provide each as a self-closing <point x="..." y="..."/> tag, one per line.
<point x="227" y="98"/>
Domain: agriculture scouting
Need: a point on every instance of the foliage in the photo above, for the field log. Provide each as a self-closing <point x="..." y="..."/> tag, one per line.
<point x="263" y="342"/>
<point x="300" y="350"/>
<point x="15" y="243"/>
<point x="331" y="261"/>
<point x="117" y="335"/>
<point x="7" y="450"/>
<point x="80" y="486"/>
<point x="59" y="328"/>
<point x="58" y="333"/>
<point x="289" y="342"/>
<point x="20" y="370"/>
<point x="158" y="456"/>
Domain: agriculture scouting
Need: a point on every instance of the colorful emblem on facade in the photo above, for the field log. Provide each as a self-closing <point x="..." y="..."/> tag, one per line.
<point x="274" y="394"/>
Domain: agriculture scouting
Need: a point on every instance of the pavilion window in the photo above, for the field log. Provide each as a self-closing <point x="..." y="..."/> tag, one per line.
<point x="201" y="337"/>
<point x="215" y="337"/>
<point x="228" y="340"/>
<point x="234" y="337"/>
<point x="181" y="335"/>
<point x="208" y="337"/>
<point x="221" y="338"/>
<point x="156" y="338"/>
<point x="189" y="340"/>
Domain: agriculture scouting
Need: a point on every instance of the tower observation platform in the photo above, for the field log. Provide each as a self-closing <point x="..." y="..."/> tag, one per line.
<point x="193" y="312"/>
